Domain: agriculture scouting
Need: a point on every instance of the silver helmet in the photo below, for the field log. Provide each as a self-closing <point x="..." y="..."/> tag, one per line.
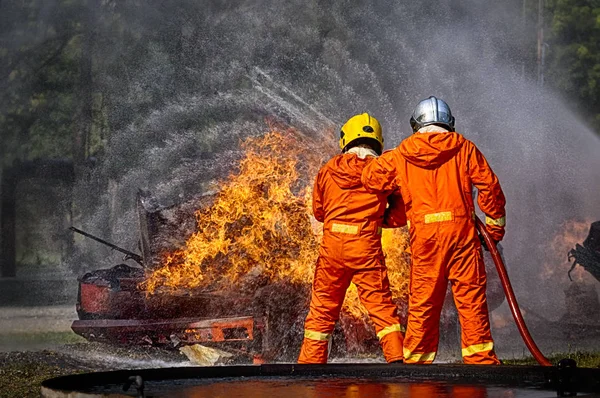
<point x="432" y="111"/>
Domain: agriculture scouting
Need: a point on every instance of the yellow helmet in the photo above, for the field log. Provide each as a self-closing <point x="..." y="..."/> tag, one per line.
<point x="361" y="129"/>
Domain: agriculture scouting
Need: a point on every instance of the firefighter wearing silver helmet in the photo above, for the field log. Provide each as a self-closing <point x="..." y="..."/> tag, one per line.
<point x="432" y="111"/>
<point x="436" y="170"/>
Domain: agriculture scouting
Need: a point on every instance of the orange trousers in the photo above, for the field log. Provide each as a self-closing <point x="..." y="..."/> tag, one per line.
<point x="435" y="262"/>
<point x="332" y="279"/>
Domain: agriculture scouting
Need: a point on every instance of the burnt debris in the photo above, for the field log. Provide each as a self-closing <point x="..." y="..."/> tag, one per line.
<point x="588" y="254"/>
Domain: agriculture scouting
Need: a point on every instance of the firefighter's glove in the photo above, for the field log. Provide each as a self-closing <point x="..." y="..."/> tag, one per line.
<point x="484" y="245"/>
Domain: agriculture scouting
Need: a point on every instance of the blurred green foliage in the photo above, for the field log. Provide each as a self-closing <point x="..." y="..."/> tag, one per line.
<point x="73" y="71"/>
<point x="574" y="54"/>
<point x="68" y="74"/>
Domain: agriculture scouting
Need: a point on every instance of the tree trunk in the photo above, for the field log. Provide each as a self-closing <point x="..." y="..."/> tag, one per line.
<point x="83" y="125"/>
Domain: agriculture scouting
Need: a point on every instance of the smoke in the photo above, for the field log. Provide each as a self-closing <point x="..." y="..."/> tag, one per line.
<point x="313" y="65"/>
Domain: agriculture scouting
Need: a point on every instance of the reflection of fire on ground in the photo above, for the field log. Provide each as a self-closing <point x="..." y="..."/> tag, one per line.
<point x="259" y="231"/>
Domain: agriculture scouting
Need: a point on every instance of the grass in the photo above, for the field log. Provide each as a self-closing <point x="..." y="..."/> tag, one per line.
<point x="24" y="379"/>
<point x="11" y="340"/>
<point x="583" y="359"/>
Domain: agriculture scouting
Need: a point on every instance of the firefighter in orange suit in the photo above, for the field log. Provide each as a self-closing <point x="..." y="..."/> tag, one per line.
<point x="351" y="248"/>
<point x="435" y="170"/>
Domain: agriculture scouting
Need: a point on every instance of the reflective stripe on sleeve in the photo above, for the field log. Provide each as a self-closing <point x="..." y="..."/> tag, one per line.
<point x="477" y="348"/>
<point x="389" y="329"/>
<point x="500" y="222"/>
<point x="312" y="335"/>
<point x="412" y="357"/>
<point x="344" y="228"/>
<point x="438" y="217"/>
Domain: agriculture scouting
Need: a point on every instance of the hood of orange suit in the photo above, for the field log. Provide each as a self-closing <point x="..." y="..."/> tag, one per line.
<point x="346" y="169"/>
<point x="429" y="150"/>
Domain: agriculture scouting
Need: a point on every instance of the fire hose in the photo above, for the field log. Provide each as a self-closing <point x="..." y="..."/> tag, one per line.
<point x="510" y="295"/>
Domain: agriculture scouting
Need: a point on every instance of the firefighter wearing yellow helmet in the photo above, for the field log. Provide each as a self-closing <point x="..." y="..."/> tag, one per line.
<point x="351" y="248"/>
<point x="361" y="129"/>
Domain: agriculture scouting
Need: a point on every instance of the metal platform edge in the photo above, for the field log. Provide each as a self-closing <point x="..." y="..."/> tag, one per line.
<point x="583" y="380"/>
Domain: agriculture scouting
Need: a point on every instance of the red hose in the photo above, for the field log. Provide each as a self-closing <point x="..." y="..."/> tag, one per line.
<point x="510" y="295"/>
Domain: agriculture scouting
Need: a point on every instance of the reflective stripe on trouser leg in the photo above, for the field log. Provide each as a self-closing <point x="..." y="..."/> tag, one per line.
<point x="312" y="335"/>
<point x="389" y="329"/>
<point x="373" y="289"/>
<point x="329" y="287"/>
<point x="315" y="347"/>
<point x="391" y="341"/>
<point x="418" y="357"/>
<point x="477" y="348"/>
<point x="468" y="281"/>
<point x="428" y="286"/>
<point x="480" y="354"/>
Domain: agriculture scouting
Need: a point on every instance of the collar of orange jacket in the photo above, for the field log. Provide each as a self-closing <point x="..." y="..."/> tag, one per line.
<point x="431" y="149"/>
<point x="346" y="169"/>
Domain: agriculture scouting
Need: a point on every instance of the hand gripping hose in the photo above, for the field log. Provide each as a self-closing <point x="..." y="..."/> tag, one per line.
<point x="510" y="295"/>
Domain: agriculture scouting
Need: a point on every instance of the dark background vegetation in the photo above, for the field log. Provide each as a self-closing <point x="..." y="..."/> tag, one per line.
<point x="72" y="72"/>
<point x="157" y="94"/>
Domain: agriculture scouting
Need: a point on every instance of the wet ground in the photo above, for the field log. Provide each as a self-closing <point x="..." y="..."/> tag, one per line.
<point x="36" y="343"/>
<point x="330" y="387"/>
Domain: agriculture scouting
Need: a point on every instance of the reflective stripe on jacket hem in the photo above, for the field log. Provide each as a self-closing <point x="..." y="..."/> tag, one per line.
<point x="312" y="335"/>
<point x="389" y="329"/>
<point x="500" y="222"/>
<point x="418" y="357"/>
<point x="477" y="348"/>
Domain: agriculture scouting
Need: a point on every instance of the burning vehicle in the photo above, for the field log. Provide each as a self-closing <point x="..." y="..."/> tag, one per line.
<point x="233" y="269"/>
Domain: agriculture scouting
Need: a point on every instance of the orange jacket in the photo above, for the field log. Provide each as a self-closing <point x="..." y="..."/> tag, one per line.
<point x="435" y="173"/>
<point x="352" y="216"/>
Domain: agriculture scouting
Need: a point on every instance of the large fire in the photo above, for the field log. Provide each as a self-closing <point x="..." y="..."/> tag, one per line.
<point x="260" y="226"/>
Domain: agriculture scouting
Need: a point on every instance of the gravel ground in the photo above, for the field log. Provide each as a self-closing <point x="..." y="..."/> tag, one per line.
<point x="36" y="343"/>
<point x="22" y="372"/>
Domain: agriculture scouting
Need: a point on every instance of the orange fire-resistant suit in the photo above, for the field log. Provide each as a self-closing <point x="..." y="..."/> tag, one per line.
<point x="435" y="172"/>
<point x="350" y="252"/>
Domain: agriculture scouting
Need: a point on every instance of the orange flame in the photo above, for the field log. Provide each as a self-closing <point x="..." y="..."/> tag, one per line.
<point x="395" y="243"/>
<point x="260" y="225"/>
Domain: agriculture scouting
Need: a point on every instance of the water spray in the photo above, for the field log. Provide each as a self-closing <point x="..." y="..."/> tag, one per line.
<point x="510" y="295"/>
<point x="290" y="102"/>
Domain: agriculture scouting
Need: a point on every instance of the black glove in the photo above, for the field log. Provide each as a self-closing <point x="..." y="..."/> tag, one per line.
<point x="484" y="245"/>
